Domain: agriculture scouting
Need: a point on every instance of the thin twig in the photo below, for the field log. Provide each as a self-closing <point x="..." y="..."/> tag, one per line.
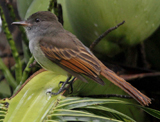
<point x="104" y="34"/>
<point x="18" y="65"/>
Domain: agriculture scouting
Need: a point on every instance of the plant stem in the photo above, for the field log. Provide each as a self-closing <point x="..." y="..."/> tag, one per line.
<point x="57" y="10"/>
<point x="18" y="65"/>
<point x="26" y="70"/>
<point x="51" y="5"/>
<point x="12" y="15"/>
<point x="25" y="74"/>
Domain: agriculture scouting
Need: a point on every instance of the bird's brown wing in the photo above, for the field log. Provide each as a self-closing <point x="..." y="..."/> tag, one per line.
<point x="73" y="55"/>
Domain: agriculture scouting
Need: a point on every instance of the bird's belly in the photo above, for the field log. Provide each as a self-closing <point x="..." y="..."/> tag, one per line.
<point x="44" y="61"/>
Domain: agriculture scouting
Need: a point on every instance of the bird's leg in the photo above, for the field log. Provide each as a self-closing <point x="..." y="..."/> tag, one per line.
<point x="63" y="86"/>
<point x="71" y="84"/>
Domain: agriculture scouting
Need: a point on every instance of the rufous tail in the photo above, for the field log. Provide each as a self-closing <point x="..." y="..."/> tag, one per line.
<point x="128" y="88"/>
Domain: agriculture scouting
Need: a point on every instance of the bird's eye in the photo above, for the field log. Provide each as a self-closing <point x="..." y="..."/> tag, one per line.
<point x="37" y="20"/>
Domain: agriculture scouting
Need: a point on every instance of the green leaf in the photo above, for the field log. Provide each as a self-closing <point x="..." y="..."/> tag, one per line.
<point x="73" y="102"/>
<point x="26" y="8"/>
<point x="74" y="115"/>
<point x="32" y="103"/>
<point x="23" y="6"/>
<point x="92" y="88"/>
<point x="3" y="111"/>
<point x="4" y="89"/>
<point x="152" y="112"/>
<point x="111" y="111"/>
<point x="7" y="74"/>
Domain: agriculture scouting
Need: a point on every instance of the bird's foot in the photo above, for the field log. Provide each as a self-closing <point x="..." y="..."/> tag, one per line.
<point x="68" y="81"/>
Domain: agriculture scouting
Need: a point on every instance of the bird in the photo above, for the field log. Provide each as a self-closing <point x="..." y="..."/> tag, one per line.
<point x="58" y="50"/>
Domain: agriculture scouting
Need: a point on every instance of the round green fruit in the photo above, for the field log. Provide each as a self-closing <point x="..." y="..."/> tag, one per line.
<point x="90" y="18"/>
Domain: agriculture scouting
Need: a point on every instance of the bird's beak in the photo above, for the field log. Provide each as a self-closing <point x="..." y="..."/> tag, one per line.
<point x="22" y="23"/>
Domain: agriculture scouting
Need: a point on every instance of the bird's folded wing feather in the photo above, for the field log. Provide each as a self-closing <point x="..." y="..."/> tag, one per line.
<point x="71" y="54"/>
